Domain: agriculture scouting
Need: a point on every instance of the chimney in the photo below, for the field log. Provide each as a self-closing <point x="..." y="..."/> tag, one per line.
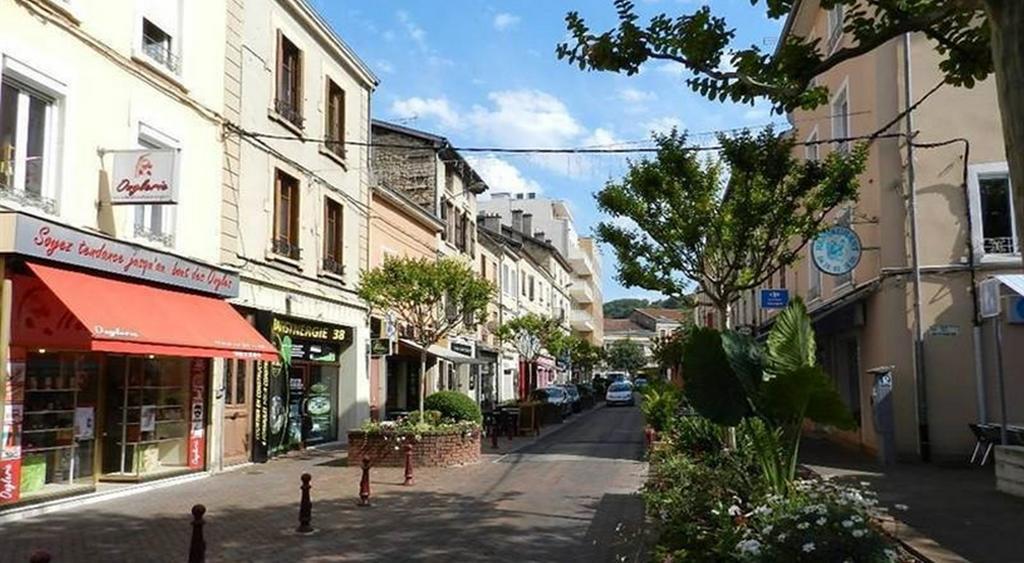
<point x="492" y="223"/>
<point x="528" y="224"/>
<point x="517" y="220"/>
<point x="539" y="235"/>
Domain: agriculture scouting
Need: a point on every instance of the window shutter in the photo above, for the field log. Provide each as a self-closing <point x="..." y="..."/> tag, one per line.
<point x="279" y="90"/>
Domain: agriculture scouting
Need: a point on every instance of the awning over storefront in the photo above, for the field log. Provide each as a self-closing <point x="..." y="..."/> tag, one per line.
<point x="445" y="354"/>
<point x="70" y="310"/>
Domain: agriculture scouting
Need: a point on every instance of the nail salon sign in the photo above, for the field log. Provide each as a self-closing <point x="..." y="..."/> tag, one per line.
<point x="147" y="176"/>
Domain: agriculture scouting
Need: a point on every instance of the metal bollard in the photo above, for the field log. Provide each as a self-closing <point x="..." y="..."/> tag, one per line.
<point x="494" y="434"/>
<point x="510" y="426"/>
<point x="648" y="437"/>
<point x="305" y="507"/>
<point x="364" y="484"/>
<point x="197" y="548"/>
<point x="39" y="556"/>
<point x="408" y="465"/>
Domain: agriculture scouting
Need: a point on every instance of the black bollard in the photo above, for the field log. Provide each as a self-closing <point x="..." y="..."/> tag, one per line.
<point x="305" y="507"/>
<point x="364" y="484"/>
<point x="197" y="548"/>
<point x="39" y="556"/>
<point x="408" y="465"/>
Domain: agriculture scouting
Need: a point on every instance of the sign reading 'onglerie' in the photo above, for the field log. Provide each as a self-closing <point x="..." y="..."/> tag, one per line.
<point x="42" y="239"/>
<point x="144" y="176"/>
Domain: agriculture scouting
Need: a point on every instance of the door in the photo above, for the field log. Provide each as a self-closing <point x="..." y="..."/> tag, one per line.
<point x="237" y="409"/>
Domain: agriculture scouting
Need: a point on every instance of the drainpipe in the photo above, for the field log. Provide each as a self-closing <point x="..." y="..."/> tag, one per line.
<point x="920" y="375"/>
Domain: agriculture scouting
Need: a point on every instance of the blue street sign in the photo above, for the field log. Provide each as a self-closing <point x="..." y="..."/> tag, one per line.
<point x="774" y="298"/>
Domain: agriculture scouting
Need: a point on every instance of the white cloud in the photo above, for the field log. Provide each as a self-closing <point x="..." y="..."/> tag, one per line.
<point x="505" y="21"/>
<point x="501" y="175"/>
<point x="634" y="96"/>
<point x="671" y="68"/>
<point x="662" y="125"/>
<point x="415" y="32"/>
<point x="385" y="67"/>
<point x="436" y="108"/>
<point x="525" y="118"/>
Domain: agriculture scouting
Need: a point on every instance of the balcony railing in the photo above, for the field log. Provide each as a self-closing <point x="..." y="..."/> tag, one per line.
<point x="1000" y="245"/>
<point x="30" y="197"/>
<point x="333" y="266"/>
<point x="166" y="239"/>
<point x="157" y="50"/>
<point x="284" y="247"/>
<point x="290" y="111"/>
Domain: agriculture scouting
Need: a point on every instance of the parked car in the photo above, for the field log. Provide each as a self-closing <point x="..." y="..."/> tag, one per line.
<point x="614" y="376"/>
<point x="588" y="396"/>
<point x="620" y="393"/>
<point x="574" y="397"/>
<point x="640" y="383"/>
<point x="553" y="396"/>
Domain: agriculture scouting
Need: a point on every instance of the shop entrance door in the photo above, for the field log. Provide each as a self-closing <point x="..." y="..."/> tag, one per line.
<point x="237" y="406"/>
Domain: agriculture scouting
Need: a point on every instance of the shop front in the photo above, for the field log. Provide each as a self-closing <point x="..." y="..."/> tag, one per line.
<point x="487" y="375"/>
<point x="298" y="398"/>
<point x="110" y="375"/>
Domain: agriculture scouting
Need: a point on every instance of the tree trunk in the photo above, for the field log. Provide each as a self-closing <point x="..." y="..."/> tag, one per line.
<point x="423" y="379"/>
<point x="1006" y="20"/>
<point x="725" y="323"/>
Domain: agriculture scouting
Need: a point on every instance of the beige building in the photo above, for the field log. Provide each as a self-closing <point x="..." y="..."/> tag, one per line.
<point x="965" y="234"/>
<point x="644" y="326"/>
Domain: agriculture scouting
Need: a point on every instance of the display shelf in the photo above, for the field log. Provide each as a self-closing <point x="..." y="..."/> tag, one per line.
<point x="27" y="413"/>
<point x="137" y="407"/>
<point x="154" y="387"/>
<point x="38" y="430"/>
<point x="47" y="448"/>
<point x="154" y="441"/>
<point x="51" y="390"/>
<point x="136" y="423"/>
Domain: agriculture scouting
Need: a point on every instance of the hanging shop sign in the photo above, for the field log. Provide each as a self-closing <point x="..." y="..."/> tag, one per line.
<point x="146" y="176"/>
<point x="462" y="346"/>
<point x="50" y="241"/>
<point x="836" y="251"/>
<point x="381" y="347"/>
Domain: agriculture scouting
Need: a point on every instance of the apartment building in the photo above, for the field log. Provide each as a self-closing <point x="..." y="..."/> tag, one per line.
<point x="295" y="219"/>
<point x="110" y="170"/>
<point x="644" y="326"/>
<point x="866" y="319"/>
<point x="551" y="220"/>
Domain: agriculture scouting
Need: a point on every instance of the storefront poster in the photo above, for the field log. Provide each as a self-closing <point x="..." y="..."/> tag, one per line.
<point x="147" y="418"/>
<point x="260" y="414"/>
<point x="10" y="480"/>
<point x="85" y="423"/>
<point x="10" y="433"/>
<point x="197" y="430"/>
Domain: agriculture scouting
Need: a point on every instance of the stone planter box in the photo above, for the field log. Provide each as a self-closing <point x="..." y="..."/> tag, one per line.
<point x="432" y="450"/>
<point x="1010" y="470"/>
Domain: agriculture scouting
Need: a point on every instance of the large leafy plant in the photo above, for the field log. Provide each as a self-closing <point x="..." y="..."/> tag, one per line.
<point x="770" y="388"/>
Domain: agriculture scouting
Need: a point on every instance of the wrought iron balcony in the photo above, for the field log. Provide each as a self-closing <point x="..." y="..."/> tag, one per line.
<point x="284" y="247"/>
<point x="290" y="111"/>
<point x="333" y="266"/>
<point x="157" y="50"/>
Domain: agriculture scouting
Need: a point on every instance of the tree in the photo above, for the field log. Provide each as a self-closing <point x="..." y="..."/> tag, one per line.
<point x="692" y="222"/>
<point x="668" y="351"/>
<point x="627" y="355"/>
<point x="433" y="298"/>
<point x="585" y="356"/>
<point x="530" y="334"/>
<point x="622" y="308"/>
<point x="975" y="38"/>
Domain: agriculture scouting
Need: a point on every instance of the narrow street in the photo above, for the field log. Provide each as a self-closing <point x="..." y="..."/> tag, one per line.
<point x="567" y="497"/>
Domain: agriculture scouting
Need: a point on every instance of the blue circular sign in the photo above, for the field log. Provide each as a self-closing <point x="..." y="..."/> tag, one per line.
<point x="836" y="251"/>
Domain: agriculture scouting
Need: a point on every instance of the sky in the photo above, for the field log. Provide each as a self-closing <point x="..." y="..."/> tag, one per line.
<point x="484" y="73"/>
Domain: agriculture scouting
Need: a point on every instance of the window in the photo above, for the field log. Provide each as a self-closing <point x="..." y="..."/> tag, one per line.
<point x="813" y="277"/>
<point x="335" y="127"/>
<point x="153" y="222"/>
<point x="449" y="177"/>
<point x="460" y="232"/>
<point x="811" y="150"/>
<point x="27" y="143"/>
<point x="532" y="288"/>
<point x="505" y="279"/>
<point x="448" y="217"/>
<point x="523" y="280"/>
<point x="288" y="103"/>
<point x="159" y="46"/>
<point x="333" y="237"/>
<point x="841" y="119"/>
<point x="990" y="184"/>
<point x="514" y="282"/>
<point x="286" y="216"/>
<point x="835" y="26"/>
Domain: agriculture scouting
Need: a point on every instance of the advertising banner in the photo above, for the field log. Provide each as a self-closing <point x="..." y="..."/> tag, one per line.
<point x="10" y="434"/>
<point x="197" y="428"/>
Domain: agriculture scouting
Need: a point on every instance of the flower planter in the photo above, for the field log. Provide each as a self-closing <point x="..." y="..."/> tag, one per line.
<point x="431" y="450"/>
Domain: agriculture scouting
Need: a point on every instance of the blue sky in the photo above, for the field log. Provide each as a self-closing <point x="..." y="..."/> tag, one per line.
<point x="484" y="73"/>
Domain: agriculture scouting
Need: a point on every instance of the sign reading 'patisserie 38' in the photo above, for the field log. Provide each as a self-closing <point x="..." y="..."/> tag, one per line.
<point x="36" y="237"/>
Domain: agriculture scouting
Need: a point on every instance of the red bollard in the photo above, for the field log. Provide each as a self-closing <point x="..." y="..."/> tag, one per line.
<point x="305" y="507"/>
<point x="39" y="556"/>
<point x="197" y="548"/>
<point x="364" y="484"/>
<point x="408" y="465"/>
<point x="648" y="437"/>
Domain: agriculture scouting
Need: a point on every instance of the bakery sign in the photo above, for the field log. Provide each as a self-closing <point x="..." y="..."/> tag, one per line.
<point x="147" y="176"/>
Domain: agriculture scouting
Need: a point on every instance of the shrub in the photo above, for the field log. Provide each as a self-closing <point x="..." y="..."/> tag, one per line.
<point x="454" y="406"/>
<point x="660" y="405"/>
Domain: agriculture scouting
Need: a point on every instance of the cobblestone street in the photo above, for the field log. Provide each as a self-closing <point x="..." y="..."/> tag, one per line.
<point x="569" y="496"/>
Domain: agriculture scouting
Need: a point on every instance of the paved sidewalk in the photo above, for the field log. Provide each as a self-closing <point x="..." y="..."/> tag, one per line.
<point x="568" y="496"/>
<point x="958" y="508"/>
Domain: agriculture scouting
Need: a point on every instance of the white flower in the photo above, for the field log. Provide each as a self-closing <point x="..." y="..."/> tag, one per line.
<point x="891" y="555"/>
<point x="865" y="484"/>
<point x="749" y="547"/>
<point x="808" y="547"/>
<point x="782" y="538"/>
<point x="901" y="507"/>
<point x="735" y="510"/>
<point x="847" y="523"/>
<point x="715" y="511"/>
<point x="768" y="529"/>
<point x="802" y="526"/>
<point x="856" y="518"/>
<point x="859" y="533"/>
<point x="821" y="521"/>
<point x="765" y="510"/>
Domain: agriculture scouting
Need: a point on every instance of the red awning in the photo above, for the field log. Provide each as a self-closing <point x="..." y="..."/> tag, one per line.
<point x="129" y="318"/>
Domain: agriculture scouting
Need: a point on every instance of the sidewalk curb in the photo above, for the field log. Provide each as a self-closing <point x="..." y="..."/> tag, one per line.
<point x="553" y="432"/>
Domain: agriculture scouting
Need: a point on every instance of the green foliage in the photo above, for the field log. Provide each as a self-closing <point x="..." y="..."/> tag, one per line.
<point x="689" y="221"/>
<point x="660" y="404"/>
<point x="454" y="406"/>
<point x="622" y="308"/>
<point x="584" y="355"/>
<point x="531" y="333"/>
<point x="415" y="426"/>
<point x="703" y="44"/>
<point x="668" y="350"/>
<point x="625" y="355"/>
<point x="434" y="297"/>
<point x="711" y="386"/>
